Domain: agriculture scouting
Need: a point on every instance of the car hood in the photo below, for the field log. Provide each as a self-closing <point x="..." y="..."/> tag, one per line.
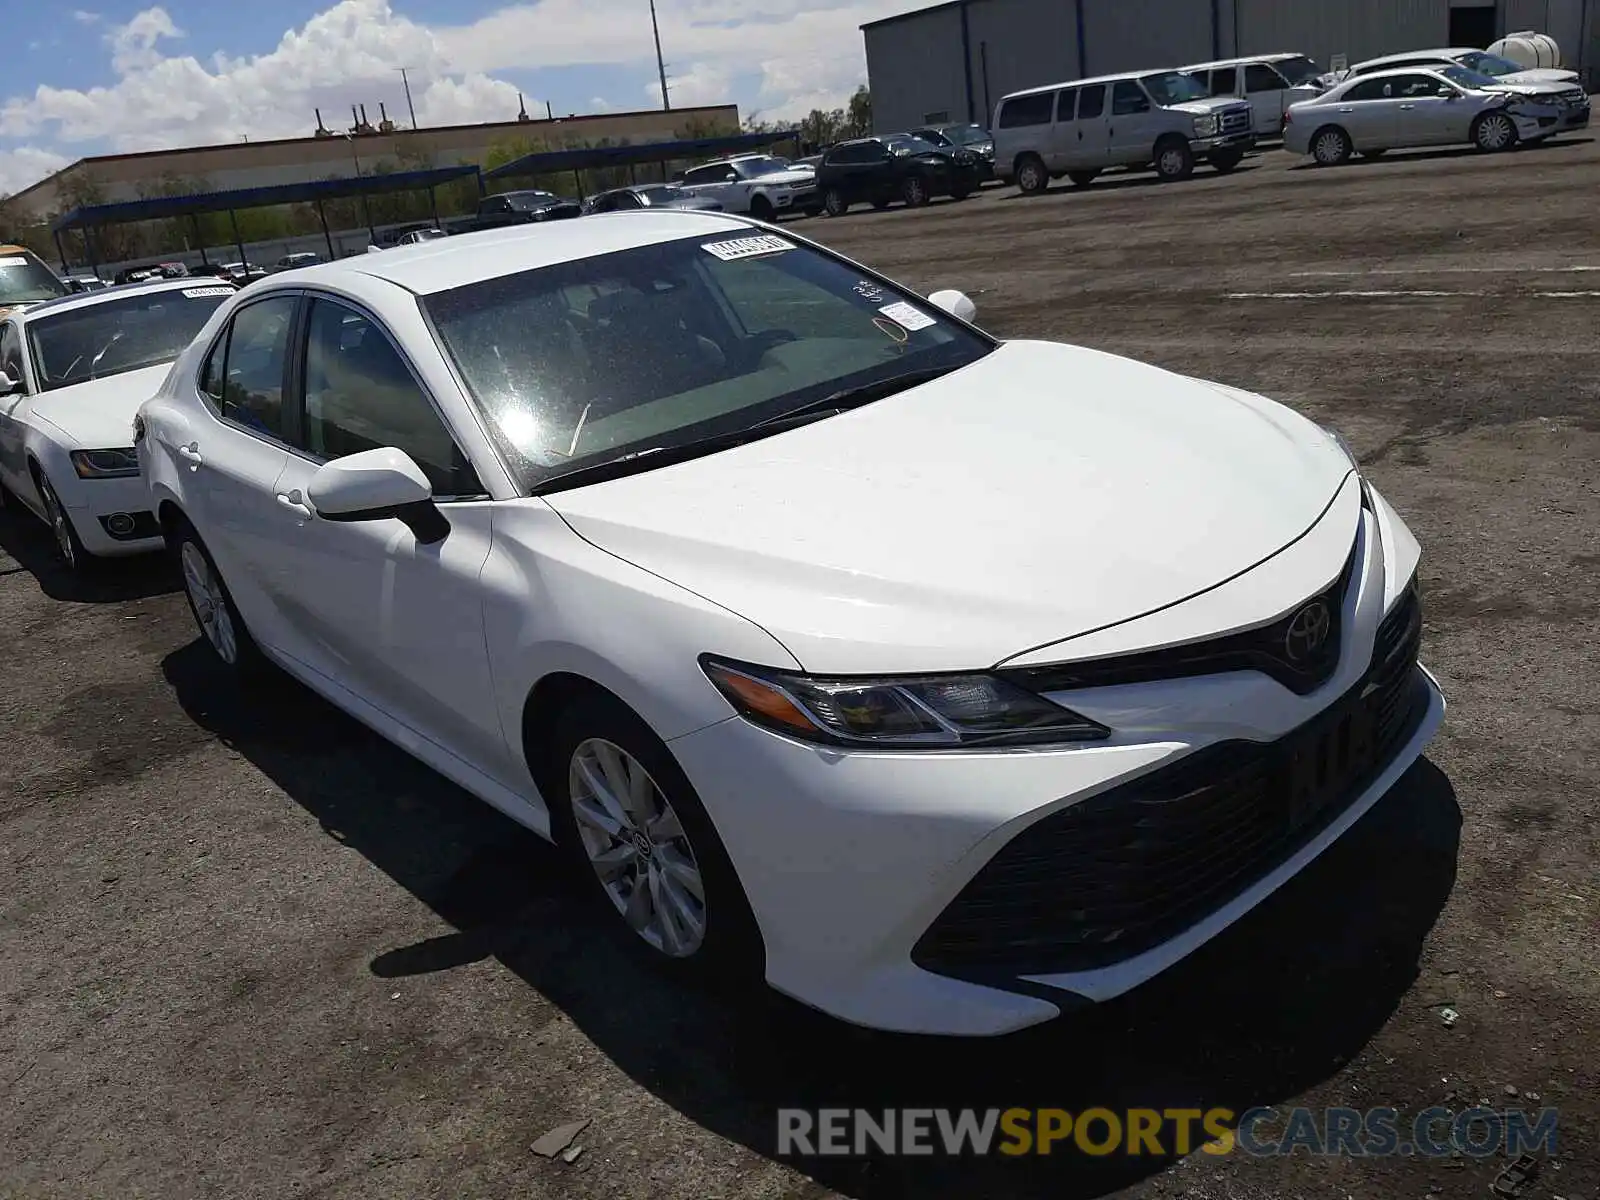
<point x="1213" y="104"/>
<point x="1042" y="492"/>
<point x="1540" y="75"/>
<point x="98" y="415"/>
<point x="1530" y="87"/>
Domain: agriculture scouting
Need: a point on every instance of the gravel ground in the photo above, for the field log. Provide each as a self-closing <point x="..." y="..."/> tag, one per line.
<point x="247" y="949"/>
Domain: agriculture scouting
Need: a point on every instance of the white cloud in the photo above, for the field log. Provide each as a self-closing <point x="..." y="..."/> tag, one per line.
<point x="84" y="17"/>
<point x="808" y="55"/>
<point x="25" y="166"/>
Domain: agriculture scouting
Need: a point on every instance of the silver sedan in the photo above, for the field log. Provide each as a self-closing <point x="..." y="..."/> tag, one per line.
<point x="1417" y="107"/>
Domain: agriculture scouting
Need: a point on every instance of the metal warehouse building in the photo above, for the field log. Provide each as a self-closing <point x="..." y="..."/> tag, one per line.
<point x="954" y="61"/>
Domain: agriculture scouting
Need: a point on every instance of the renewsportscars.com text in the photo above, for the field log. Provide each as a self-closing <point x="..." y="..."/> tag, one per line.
<point x="1342" y="1132"/>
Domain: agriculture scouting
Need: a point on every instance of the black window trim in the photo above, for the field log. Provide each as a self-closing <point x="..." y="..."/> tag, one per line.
<point x="224" y="334"/>
<point x="295" y="397"/>
<point x="18" y="326"/>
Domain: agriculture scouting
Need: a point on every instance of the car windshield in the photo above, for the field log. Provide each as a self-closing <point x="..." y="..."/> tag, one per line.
<point x="1466" y="78"/>
<point x="23" y="278"/>
<point x="753" y="168"/>
<point x="910" y="145"/>
<point x="1487" y="64"/>
<point x="119" y="333"/>
<point x="1298" y="70"/>
<point x="661" y="347"/>
<point x="966" y="135"/>
<point x="1173" y="87"/>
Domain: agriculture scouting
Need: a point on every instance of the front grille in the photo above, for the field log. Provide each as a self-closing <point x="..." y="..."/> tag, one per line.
<point x="1117" y="874"/>
<point x="1267" y="648"/>
<point x="1235" y="120"/>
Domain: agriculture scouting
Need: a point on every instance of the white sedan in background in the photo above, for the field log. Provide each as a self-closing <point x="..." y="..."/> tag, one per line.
<point x="73" y="373"/>
<point x="1418" y="107"/>
<point x="946" y="683"/>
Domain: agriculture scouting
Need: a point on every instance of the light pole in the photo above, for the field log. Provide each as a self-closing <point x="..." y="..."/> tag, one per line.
<point x="411" y="108"/>
<point x="661" y="66"/>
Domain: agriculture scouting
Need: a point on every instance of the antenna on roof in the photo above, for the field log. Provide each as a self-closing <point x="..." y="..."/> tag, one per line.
<point x="322" y="130"/>
<point x="522" y="109"/>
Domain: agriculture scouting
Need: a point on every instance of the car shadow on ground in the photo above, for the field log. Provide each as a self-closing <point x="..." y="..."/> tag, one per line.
<point x="1274" y="1006"/>
<point x="26" y="544"/>
<point x="1131" y="179"/>
<point x="1416" y="156"/>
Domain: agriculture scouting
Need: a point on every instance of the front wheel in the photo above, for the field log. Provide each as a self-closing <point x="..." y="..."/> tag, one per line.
<point x="1174" y="160"/>
<point x="761" y="209"/>
<point x="1224" y="161"/>
<point x="914" y="191"/>
<point x="625" y="811"/>
<point x="212" y="605"/>
<point x="1032" y="178"/>
<point x="834" y="203"/>
<point x="1494" y="132"/>
<point x="68" y="544"/>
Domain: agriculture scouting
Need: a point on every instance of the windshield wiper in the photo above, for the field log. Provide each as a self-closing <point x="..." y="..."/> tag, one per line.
<point x="804" y="414"/>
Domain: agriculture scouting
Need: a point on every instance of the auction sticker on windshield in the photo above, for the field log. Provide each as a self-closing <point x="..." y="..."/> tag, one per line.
<point x="13" y="262"/>
<point x="197" y="293"/>
<point x="907" y="316"/>
<point x="747" y="247"/>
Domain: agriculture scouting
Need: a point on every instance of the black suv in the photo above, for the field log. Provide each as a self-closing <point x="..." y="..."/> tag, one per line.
<point x="895" y="166"/>
<point x="975" y="138"/>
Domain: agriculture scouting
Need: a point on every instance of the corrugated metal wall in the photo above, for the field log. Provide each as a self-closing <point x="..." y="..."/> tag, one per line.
<point x="1357" y="29"/>
<point x="1019" y="44"/>
<point x="1133" y="35"/>
<point x="914" y="68"/>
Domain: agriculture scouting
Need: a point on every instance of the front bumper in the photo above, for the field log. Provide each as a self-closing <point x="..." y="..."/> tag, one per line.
<point x="849" y="860"/>
<point x="1240" y="142"/>
<point x="97" y="506"/>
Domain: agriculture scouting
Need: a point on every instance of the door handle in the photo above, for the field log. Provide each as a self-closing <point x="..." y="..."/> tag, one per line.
<point x="294" y="504"/>
<point x="191" y="454"/>
<point x="1407" y="107"/>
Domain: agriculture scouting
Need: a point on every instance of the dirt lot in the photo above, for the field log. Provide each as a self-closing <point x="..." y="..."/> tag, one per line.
<point x="248" y="950"/>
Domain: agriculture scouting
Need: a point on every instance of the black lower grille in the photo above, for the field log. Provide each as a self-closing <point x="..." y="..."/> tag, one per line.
<point x="1114" y="875"/>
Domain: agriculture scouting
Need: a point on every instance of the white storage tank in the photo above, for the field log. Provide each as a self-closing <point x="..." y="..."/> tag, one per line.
<point x="1529" y="50"/>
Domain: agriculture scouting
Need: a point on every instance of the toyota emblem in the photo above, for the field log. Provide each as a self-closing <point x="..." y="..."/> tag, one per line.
<point x="1308" y="633"/>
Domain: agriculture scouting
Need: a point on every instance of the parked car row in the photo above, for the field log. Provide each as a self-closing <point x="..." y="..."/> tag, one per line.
<point x="1215" y="112"/>
<point x="539" y="505"/>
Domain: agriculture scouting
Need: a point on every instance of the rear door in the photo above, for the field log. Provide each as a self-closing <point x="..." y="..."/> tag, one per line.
<point x="1370" y="113"/>
<point x="1065" y="138"/>
<point x="1091" y="125"/>
<point x="1268" y="93"/>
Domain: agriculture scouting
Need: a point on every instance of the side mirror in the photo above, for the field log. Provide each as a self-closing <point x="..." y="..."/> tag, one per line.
<point x="1449" y="94"/>
<point x="958" y="304"/>
<point x="378" y="485"/>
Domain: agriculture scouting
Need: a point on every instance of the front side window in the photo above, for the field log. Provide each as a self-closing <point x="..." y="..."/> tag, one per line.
<point x="119" y="333"/>
<point x="1171" y="87"/>
<point x="1412" y="86"/>
<point x="1022" y="111"/>
<point x="1128" y="98"/>
<point x="1224" y="81"/>
<point x="663" y="346"/>
<point x="360" y="395"/>
<point x="24" y="279"/>
<point x="257" y="357"/>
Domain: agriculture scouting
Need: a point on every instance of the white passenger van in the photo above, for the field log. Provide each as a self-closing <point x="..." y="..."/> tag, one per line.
<point x="1162" y="119"/>
<point x="1270" y="82"/>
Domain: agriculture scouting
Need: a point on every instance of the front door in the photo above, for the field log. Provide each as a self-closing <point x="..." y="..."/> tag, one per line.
<point x="1268" y="93"/>
<point x="1130" y="133"/>
<point x="1370" y="114"/>
<point x="396" y="621"/>
<point x="1432" y="112"/>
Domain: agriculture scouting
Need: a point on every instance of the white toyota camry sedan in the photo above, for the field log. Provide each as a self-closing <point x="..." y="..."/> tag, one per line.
<point x="73" y="373"/>
<point x="947" y="683"/>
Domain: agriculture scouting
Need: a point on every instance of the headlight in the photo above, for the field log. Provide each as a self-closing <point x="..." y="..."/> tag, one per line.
<point x="1205" y="126"/>
<point x="105" y="464"/>
<point x="906" y="712"/>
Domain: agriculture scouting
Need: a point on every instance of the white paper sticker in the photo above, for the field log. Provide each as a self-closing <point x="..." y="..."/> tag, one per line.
<point x="13" y="260"/>
<point x="748" y="247"/>
<point x="197" y="293"/>
<point x="906" y="316"/>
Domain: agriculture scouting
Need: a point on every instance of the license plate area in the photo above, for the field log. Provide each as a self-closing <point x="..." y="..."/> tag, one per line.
<point x="1320" y="765"/>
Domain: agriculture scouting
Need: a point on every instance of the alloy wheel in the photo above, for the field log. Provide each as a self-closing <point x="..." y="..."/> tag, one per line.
<point x="1030" y="177"/>
<point x="1495" y="132"/>
<point x="637" y="847"/>
<point x="916" y="191"/>
<point x="210" y="603"/>
<point x="1329" y="148"/>
<point x="1171" y="162"/>
<point x="58" y="523"/>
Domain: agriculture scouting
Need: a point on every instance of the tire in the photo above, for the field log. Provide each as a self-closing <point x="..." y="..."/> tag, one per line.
<point x="834" y="203"/>
<point x="914" y="191"/>
<point x="1082" y="179"/>
<point x="761" y="209"/>
<point x="1494" y="132"/>
<point x="1330" y="146"/>
<point x="1174" y="160"/>
<point x="211" y="604"/>
<point x="1032" y="178"/>
<point x="633" y="845"/>
<point x="68" y="544"/>
<point x="1224" y="162"/>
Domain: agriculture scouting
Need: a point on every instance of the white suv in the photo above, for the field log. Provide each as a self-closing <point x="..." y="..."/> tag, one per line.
<point x="758" y="184"/>
<point x="1159" y="118"/>
<point x="1270" y="82"/>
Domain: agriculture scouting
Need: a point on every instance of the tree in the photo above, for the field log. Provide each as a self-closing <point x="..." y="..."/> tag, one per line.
<point x="858" y="113"/>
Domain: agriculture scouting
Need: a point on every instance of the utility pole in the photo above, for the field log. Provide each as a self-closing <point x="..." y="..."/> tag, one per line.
<point x="412" y="108"/>
<point x="661" y="66"/>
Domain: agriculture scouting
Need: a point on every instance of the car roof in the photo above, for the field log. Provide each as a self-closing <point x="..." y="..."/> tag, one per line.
<point x="444" y="263"/>
<point x="1117" y="78"/>
<point x="1449" y="52"/>
<point x="12" y="248"/>
<point x="118" y="292"/>
<point x="1284" y="56"/>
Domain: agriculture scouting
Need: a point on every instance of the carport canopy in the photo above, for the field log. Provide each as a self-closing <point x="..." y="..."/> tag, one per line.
<point x="549" y="162"/>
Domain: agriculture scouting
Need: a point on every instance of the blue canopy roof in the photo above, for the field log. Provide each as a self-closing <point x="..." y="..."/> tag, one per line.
<point x="158" y="207"/>
<point x="548" y="162"/>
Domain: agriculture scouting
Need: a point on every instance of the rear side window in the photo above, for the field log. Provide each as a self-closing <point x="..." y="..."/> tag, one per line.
<point x="1091" y="101"/>
<point x="1023" y="111"/>
<point x="1127" y="98"/>
<point x="1066" y="104"/>
<point x="1223" y="81"/>
<point x="1371" y="89"/>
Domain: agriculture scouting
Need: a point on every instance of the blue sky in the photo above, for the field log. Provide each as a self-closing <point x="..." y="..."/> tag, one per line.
<point x="118" y="75"/>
